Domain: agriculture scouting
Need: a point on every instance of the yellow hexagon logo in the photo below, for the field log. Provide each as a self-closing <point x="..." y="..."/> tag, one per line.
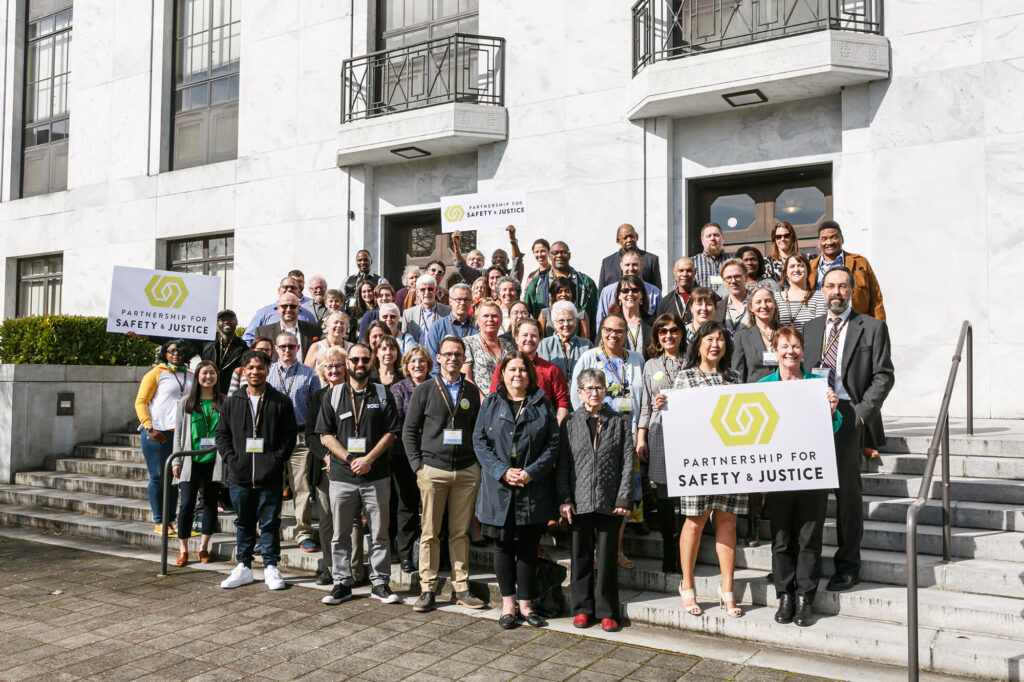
<point x="166" y="291"/>
<point x="744" y="419"/>
<point x="454" y="214"/>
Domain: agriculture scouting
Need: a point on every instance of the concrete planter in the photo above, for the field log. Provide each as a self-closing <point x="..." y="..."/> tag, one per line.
<point x="31" y="431"/>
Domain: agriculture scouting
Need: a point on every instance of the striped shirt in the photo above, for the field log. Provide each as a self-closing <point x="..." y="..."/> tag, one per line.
<point x="797" y="314"/>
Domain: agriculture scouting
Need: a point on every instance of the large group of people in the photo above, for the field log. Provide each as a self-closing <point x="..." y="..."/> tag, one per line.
<point x="496" y="410"/>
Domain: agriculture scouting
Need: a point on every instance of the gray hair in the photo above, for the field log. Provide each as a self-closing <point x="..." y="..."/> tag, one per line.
<point x="327" y="356"/>
<point x="391" y="308"/>
<point x="513" y="280"/>
<point x="409" y="269"/>
<point x="318" y="278"/>
<point x="459" y="287"/>
<point x="591" y="374"/>
<point x="426" y="279"/>
<point x="475" y="252"/>
<point x="563" y="306"/>
<point x="342" y="315"/>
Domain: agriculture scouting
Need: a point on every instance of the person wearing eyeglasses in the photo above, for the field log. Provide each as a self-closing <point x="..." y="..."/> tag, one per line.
<point x="459" y="322"/>
<point x="298" y="383"/>
<point x="270" y="313"/>
<point x="537" y="295"/>
<point x="438" y="440"/>
<point x="562" y="289"/>
<point x="630" y="263"/>
<point x="666" y="350"/>
<point x="416" y="320"/>
<point x="358" y="424"/>
<point x="631" y="302"/>
<point x="784" y="244"/>
<point x="734" y="278"/>
<point x="306" y="333"/>
<point x="565" y="347"/>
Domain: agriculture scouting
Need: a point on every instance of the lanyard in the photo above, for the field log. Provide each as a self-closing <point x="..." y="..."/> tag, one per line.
<point x="566" y="357"/>
<point x="208" y="416"/>
<point x="789" y="309"/>
<point x="704" y="376"/>
<point x="184" y="379"/>
<point x="634" y="339"/>
<point x="287" y="387"/>
<point x="222" y="352"/>
<point x="623" y="381"/>
<point x="468" y="323"/>
<point x="519" y="412"/>
<point x="766" y="338"/>
<point x="357" y="414"/>
<point x="826" y="347"/>
<point x="597" y="434"/>
<point x="671" y="366"/>
<point x="446" y="397"/>
<point x="675" y="299"/>
<point x="257" y="414"/>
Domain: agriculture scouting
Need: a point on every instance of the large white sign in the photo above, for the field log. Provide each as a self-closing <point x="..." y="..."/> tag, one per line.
<point x="483" y="211"/>
<point x="749" y="438"/>
<point x="161" y="303"/>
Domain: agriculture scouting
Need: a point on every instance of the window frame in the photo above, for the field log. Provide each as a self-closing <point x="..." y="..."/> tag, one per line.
<point x="206" y="260"/>
<point x="47" y="277"/>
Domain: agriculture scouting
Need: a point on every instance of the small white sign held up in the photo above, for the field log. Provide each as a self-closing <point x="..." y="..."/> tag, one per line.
<point x="749" y="438"/>
<point x="483" y="211"/>
<point x="162" y="303"/>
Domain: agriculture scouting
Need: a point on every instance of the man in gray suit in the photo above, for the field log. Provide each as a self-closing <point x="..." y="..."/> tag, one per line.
<point x="417" y="319"/>
<point x="852" y="351"/>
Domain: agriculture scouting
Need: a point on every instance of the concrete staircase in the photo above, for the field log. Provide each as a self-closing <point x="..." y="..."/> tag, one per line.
<point x="971" y="610"/>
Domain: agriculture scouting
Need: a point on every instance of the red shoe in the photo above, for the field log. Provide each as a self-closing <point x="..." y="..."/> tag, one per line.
<point x="581" y="620"/>
<point x="609" y="625"/>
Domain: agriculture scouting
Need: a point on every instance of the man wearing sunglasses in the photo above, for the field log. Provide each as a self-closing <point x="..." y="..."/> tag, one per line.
<point x="298" y="382"/>
<point x="289" y="321"/>
<point x="630" y="263"/>
<point x="269" y="313"/>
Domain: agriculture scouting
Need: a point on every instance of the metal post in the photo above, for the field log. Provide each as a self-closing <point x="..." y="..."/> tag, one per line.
<point x="164" y="503"/>
<point x="970" y="379"/>
<point x="912" y="662"/>
<point x="947" y="534"/>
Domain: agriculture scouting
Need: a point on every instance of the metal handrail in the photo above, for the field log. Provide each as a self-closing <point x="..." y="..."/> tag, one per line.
<point x="165" y="500"/>
<point x="939" y="445"/>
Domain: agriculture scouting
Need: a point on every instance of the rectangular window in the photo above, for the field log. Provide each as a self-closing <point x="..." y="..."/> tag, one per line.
<point x="206" y="256"/>
<point x="40" y="281"/>
<point x="47" y="75"/>
<point x="207" y="43"/>
<point x="406" y="22"/>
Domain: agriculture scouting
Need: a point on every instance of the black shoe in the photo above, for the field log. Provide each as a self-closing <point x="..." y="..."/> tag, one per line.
<point x="508" y="621"/>
<point x="340" y="593"/>
<point x="841" y="583"/>
<point x="534" y="620"/>
<point x="786" y="607"/>
<point x="407" y="566"/>
<point x="323" y="577"/>
<point x="803" y="611"/>
<point x="640" y="528"/>
<point x="384" y="594"/>
<point x="770" y="578"/>
<point x="424" y="603"/>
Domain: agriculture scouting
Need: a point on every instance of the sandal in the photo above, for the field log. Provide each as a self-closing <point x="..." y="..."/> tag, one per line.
<point x="726" y="598"/>
<point x="626" y="562"/>
<point x="693" y="609"/>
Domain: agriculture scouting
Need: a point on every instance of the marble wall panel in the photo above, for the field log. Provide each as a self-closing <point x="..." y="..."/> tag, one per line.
<point x="320" y="194"/>
<point x="322" y="49"/>
<point x="269" y="18"/>
<point x="603" y="154"/>
<point x="537" y="118"/>
<point x="129" y="144"/>
<point x="1004" y="175"/>
<point x="198" y="211"/>
<point x="266" y="202"/>
<point x="914" y="16"/>
<point x="93" y="43"/>
<point x="536" y="35"/>
<point x="220" y="174"/>
<point x="93" y="263"/>
<point x="939" y="49"/>
<point x="91" y="135"/>
<point x="313" y="12"/>
<point x="399" y="186"/>
<point x="268" y="104"/>
<point x="533" y="163"/>
<point x="1003" y="37"/>
<point x="131" y="43"/>
<point x="592" y="215"/>
<point x="1004" y="83"/>
<point x="998" y="382"/>
<point x="610" y="66"/>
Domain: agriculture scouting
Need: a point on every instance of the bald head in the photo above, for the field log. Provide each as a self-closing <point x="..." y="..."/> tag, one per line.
<point x="626" y="237"/>
<point x="684" y="272"/>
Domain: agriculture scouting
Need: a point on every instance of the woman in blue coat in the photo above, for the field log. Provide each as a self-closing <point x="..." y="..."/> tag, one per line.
<point x="516" y="441"/>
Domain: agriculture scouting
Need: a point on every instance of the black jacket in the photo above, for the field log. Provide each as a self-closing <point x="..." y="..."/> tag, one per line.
<point x="596" y="481"/>
<point x="426" y="419"/>
<point x="277" y="428"/>
<point x="227" y="362"/>
<point x="309" y="332"/>
<point x="668" y="304"/>
<point x="611" y="271"/>
<point x="315" y="462"/>
<point x="748" y="356"/>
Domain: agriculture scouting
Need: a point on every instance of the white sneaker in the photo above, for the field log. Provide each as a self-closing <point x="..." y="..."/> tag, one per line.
<point x="241" y="575"/>
<point x="272" y="577"/>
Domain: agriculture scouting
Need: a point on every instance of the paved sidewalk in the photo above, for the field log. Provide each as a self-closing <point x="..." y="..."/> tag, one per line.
<point x="69" y="614"/>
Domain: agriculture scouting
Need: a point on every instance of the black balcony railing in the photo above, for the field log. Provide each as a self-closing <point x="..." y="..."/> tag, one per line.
<point x="456" y="68"/>
<point x="667" y="29"/>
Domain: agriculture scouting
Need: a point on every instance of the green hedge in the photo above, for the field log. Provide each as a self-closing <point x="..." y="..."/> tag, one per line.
<point x="70" y="340"/>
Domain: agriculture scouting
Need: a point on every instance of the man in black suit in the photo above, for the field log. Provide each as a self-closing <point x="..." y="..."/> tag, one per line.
<point x="306" y="332"/>
<point x="226" y="350"/>
<point x="852" y="351"/>
<point x="626" y="238"/>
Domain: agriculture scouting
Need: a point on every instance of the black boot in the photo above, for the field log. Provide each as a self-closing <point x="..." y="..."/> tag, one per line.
<point x="753" y="512"/>
<point x="803" y="611"/>
<point x="786" y="608"/>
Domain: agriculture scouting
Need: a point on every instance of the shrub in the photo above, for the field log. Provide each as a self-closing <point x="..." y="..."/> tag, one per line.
<point x="70" y="340"/>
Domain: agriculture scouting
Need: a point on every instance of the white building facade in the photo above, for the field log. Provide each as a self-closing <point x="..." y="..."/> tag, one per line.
<point x="246" y="138"/>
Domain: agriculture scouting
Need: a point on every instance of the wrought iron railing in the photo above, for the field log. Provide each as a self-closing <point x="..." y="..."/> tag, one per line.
<point x="667" y="29"/>
<point x="456" y="68"/>
<point x="939" y="445"/>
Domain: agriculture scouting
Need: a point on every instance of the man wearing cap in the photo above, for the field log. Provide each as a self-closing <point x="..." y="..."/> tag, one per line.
<point x="226" y="349"/>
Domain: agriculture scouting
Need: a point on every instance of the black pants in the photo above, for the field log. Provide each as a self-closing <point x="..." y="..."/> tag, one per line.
<point x="797" y="520"/>
<point x="201" y="478"/>
<point x="405" y="507"/>
<point x="515" y="558"/>
<point x="849" y="501"/>
<point x="669" y="526"/>
<point x="601" y="532"/>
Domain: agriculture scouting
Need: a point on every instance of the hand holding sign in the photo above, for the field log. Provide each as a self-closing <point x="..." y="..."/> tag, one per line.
<point x="484" y="211"/>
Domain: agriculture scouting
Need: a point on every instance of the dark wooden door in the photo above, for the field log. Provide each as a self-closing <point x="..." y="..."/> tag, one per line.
<point x="416" y="239"/>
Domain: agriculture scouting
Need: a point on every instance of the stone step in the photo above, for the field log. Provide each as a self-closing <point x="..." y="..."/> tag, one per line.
<point x="103" y="468"/>
<point x="983" y="444"/>
<point x="99" y="485"/>
<point x="125" y="439"/>
<point x="964" y="514"/>
<point x="963" y="489"/>
<point x="121" y="453"/>
<point x="975" y="466"/>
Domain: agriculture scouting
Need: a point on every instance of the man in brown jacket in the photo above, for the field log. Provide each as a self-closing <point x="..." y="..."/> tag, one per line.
<point x="867" y="298"/>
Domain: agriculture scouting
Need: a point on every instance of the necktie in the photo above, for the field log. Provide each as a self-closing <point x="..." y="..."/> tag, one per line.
<point x="831" y="352"/>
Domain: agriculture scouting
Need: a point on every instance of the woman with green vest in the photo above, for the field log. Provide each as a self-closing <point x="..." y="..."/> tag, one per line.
<point x="197" y="417"/>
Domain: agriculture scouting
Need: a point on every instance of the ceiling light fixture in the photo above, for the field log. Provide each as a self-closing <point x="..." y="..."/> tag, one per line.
<point x="745" y="98"/>
<point x="410" y="152"/>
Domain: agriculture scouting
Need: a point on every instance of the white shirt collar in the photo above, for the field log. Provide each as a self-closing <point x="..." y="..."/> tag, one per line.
<point x="844" y="316"/>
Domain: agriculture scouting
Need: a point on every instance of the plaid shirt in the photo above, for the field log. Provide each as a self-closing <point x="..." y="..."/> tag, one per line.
<point x="707" y="267"/>
<point x="299" y="382"/>
<point x="824" y="266"/>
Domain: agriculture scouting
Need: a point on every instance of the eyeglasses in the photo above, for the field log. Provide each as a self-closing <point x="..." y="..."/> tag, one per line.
<point x="451" y="356"/>
<point x="334" y="367"/>
<point x="359" y="361"/>
<point x="559" y="252"/>
<point x="610" y="330"/>
<point x="173" y="351"/>
<point x="288" y="346"/>
<point x="629" y="291"/>
<point x="458" y="300"/>
<point x="665" y="331"/>
<point x="784" y="235"/>
<point x="733" y="278"/>
<point x="593" y="389"/>
<point x="435" y="271"/>
<point x="288" y="306"/>
<point x="566" y="321"/>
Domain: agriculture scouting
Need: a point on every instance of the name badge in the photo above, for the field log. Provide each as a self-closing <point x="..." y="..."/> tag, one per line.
<point x="716" y="280"/>
<point x="207" y="443"/>
<point x="622" y="404"/>
<point x="821" y="372"/>
<point x="352" y="301"/>
<point x="768" y="359"/>
<point x="356" y="446"/>
<point x="254" y="445"/>
<point x="343" y="417"/>
<point x="452" y="437"/>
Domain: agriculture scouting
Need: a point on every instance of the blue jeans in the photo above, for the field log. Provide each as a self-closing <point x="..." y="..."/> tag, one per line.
<point x="200" y="479"/>
<point x="257" y="506"/>
<point x="155" y="455"/>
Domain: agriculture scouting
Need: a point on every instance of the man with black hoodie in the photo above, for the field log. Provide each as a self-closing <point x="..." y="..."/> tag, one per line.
<point x="255" y="437"/>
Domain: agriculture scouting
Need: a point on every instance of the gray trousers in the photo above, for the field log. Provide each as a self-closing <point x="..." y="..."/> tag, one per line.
<point x="347" y="501"/>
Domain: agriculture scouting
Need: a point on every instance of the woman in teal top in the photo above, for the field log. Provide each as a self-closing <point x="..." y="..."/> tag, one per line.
<point x="197" y="417"/>
<point x="797" y="517"/>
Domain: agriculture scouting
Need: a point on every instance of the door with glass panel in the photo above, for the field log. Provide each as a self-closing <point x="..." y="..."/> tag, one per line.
<point x="416" y="239"/>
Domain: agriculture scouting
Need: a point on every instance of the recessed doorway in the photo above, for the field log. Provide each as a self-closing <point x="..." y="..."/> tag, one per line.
<point x="416" y="239"/>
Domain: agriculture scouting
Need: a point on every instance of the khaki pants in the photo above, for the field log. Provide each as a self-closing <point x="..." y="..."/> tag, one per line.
<point x="298" y="467"/>
<point x="457" y="489"/>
